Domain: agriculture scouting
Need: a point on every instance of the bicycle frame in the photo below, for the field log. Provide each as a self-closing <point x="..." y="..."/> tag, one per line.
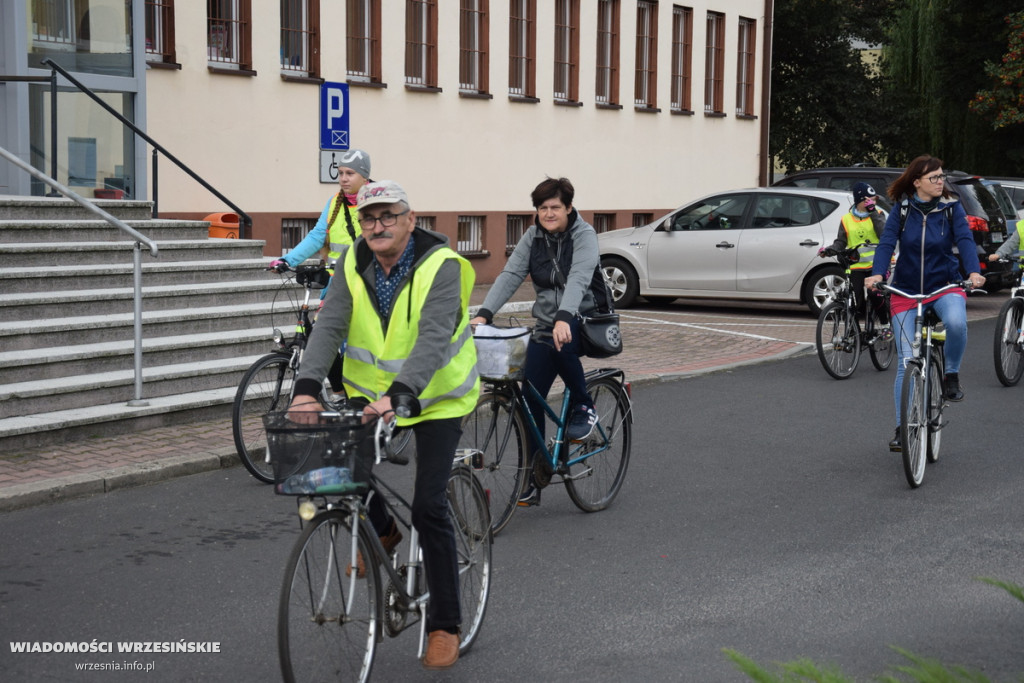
<point x="552" y="456"/>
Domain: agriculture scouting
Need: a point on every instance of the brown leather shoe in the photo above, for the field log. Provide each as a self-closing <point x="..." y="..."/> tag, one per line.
<point x="389" y="541"/>
<point x="442" y="650"/>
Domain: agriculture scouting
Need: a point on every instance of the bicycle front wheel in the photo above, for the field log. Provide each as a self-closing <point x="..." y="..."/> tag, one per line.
<point x="467" y="506"/>
<point x="265" y="386"/>
<point x="495" y="433"/>
<point x="593" y="483"/>
<point x="936" y="401"/>
<point x="838" y="340"/>
<point x="327" y="622"/>
<point x="1008" y="354"/>
<point x="881" y="351"/>
<point x="913" y="423"/>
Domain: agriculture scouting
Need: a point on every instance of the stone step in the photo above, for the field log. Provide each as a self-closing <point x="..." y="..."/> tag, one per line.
<point x="93" y="302"/>
<point x="62" y="231"/>
<point x="25" y="254"/>
<point x="84" y="391"/>
<point x="55" y="427"/>
<point x="59" y="208"/>
<point x="84" y="359"/>
<point x="155" y="272"/>
<point x="50" y="332"/>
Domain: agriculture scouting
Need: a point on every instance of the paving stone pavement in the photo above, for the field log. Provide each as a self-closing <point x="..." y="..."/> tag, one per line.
<point x="659" y="344"/>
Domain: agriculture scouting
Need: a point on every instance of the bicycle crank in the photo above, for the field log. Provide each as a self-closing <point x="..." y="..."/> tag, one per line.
<point x="541" y="470"/>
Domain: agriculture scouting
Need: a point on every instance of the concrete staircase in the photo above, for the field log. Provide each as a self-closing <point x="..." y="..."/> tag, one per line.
<point x="66" y="321"/>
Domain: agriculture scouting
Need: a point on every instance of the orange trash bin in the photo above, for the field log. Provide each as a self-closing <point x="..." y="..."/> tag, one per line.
<point x="223" y="225"/>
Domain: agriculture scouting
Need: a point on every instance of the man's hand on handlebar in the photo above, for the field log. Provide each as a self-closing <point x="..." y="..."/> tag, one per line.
<point x="826" y="252"/>
<point x="305" y="410"/>
<point x="278" y="266"/>
<point x="873" y="280"/>
<point x="379" y="408"/>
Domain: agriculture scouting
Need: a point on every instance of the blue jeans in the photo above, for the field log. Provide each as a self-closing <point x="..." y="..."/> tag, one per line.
<point x="544" y="363"/>
<point x="952" y="310"/>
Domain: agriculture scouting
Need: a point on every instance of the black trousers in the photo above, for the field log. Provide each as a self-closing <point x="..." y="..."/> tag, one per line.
<point x="436" y="441"/>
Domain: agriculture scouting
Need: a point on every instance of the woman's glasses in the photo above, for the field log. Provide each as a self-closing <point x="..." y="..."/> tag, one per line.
<point x="937" y="178"/>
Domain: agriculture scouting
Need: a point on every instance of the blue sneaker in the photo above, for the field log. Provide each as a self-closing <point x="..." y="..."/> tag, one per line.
<point x="581" y="424"/>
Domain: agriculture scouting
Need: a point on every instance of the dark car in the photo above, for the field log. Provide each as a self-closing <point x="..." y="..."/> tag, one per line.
<point x="985" y="217"/>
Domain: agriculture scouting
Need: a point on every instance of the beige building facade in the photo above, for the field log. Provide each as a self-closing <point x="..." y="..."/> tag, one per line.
<point x="643" y="104"/>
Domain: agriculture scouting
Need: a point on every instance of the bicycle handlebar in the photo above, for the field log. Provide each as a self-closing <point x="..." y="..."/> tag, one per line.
<point x="963" y="284"/>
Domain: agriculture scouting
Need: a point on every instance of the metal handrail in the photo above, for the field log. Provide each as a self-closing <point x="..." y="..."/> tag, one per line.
<point x="157" y="147"/>
<point x="139" y="238"/>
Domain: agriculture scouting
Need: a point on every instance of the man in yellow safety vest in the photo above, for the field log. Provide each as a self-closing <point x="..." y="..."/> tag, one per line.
<point x="402" y="301"/>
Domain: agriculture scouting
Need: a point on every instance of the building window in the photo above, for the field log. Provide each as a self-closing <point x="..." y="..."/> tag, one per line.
<point x="293" y="230"/>
<point x="714" y="64"/>
<point x="567" y="50"/>
<point x="229" y="37"/>
<point x="603" y="222"/>
<point x="640" y="219"/>
<point x="470" y="234"/>
<point x="425" y="222"/>
<point x="421" y="43"/>
<point x="363" y="40"/>
<point x="473" y="44"/>
<point x="300" y="38"/>
<point x="522" y="48"/>
<point x="745" y="67"/>
<point x="607" y="91"/>
<point x="646" y="91"/>
<point x="53" y="25"/>
<point x="160" y="31"/>
<point x="515" y="227"/>
<point x="682" y="57"/>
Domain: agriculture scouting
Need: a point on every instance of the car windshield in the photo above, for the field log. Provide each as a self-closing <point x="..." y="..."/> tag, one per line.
<point x="1005" y="203"/>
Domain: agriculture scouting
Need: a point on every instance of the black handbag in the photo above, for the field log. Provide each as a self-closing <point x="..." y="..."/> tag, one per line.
<point x="600" y="335"/>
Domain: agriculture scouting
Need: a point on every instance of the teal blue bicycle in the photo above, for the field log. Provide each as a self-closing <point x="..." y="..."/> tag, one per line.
<point x="495" y="441"/>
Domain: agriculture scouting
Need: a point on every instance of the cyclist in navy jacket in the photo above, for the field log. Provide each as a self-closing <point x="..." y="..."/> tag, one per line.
<point x="927" y="223"/>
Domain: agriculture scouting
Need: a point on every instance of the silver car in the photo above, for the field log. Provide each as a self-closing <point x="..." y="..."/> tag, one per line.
<point x="756" y="244"/>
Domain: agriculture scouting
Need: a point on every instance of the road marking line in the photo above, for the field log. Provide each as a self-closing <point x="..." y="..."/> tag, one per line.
<point x="706" y="328"/>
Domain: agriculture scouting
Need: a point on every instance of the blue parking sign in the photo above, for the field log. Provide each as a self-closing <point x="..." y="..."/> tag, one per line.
<point x="333" y="115"/>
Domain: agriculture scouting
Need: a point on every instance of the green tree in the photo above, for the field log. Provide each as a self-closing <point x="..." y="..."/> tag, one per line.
<point x="932" y="63"/>
<point x="826" y="101"/>
<point x="1003" y="103"/>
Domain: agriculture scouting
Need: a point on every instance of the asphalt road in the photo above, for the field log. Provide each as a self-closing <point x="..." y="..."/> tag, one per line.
<point x="761" y="512"/>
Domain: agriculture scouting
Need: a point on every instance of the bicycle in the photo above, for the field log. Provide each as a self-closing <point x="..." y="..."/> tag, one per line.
<point x="922" y="400"/>
<point x="839" y="339"/>
<point x="495" y="438"/>
<point x="1008" y="349"/>
<point x="330" y="616"/>
<point x="268" y="383"/>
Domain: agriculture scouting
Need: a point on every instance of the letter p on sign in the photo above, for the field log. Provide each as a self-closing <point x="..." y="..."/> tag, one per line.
<point x="334" y="131"/>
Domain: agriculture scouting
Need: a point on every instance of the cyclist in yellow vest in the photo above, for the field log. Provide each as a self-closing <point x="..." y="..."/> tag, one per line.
<point x="863" y="223"/>
<point x="338" y="225"/>
<point x="403" y="304"/>
<point x="1012" y="245"/>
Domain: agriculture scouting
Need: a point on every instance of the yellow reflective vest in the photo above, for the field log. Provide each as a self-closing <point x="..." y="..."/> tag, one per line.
<point x="373" y="359"/>
<point x="338" y="237"/>
<point x="860" y="230"/>
<point x="1020" y="234"/>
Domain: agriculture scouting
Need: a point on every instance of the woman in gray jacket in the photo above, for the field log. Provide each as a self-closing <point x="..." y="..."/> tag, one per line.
<point x="559" y="252"/>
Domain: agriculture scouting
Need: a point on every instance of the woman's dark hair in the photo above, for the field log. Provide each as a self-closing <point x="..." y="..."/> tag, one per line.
<point x="921" y="166"/>
<point x="551" y="188"/>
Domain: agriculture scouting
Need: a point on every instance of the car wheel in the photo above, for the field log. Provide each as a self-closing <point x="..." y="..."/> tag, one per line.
<point x="622" y="281"/>
<point x="820" y="287"/>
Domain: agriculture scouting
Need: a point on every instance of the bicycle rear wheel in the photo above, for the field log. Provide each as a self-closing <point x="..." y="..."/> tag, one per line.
<point x="593" y="483"/>
<point x="838" y="340"/>
<point x="467" y="505"/>
<point x="881" y="351"/>
<point x="265" y="386"/>
<point x="327" y="622"/>
<point x="1009" y="356"/>
<point x="936" y="401"/>
<point x="913" y="423"/>
<point x="496" y="434"/>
